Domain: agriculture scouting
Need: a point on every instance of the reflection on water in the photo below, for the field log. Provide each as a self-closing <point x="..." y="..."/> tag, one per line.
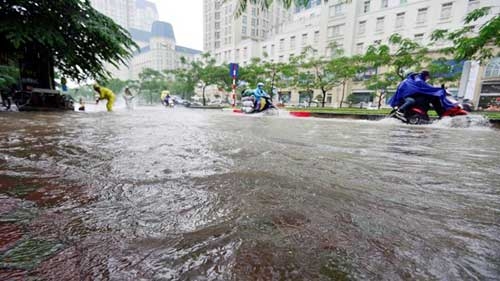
<point x="174" y="194"/>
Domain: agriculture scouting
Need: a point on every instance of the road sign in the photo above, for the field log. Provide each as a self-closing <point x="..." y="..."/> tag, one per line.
<point x="233" y="69"/>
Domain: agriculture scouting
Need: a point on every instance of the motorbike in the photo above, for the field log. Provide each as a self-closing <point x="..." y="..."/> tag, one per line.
<point x="418" y="113"/>
<point x="248" y="104"/>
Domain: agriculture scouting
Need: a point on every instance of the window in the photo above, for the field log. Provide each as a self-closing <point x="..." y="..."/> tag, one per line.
<point x="280" y="59"/>
<point x="384" y="4"/>
<point x="400" y="20"/>
<point x="493" y="68"/>
<point x="473" y="4"/>
<point x="244" y="19"/>
<point x="253" y="21"/>
<point x="418" y="38"/>
<point x="362" y="27"/>
<point x="217" y="25"/>
<point x="264" y="50"/>
<point x="272" y="50"/>
<point x="237" y="54"/>
<point x="282" y="44"/>
<point x="403" y="1"/>
<point x="292" y="42"/>
<point x="304" y="39"/>
<point x="245" y="52"/>
<point x="421" y="15"/>
<point x="446" y="10"/>
<point x="244" y="30"/>
<point x="366" y="6"/>
<point x="359" y="48"/>
<point x="217" y="35"/>
<point x="335" y="30"/>
<point x="377" y="42"/>
<point x="254" y="32"/>
<point x="380" y="24"/>
<point x="316" y="36"/>
<point x="339" y="9"/>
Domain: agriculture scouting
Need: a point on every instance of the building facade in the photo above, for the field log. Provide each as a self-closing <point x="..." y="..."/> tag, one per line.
<point x="156" y="39"/>
<point x="352" y="26"/>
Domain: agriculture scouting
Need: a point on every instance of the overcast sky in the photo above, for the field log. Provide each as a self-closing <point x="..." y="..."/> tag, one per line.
<point x="186" y="16"/>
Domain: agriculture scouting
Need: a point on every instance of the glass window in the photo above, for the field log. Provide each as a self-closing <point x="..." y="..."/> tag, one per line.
<point x="292" y="42"/>
<point x="380" y="24"/>
<point x="400" y="20"/>
<point x="366" y="6"/>
<point x="362" y="27"/>
<point x="282" y="44"/>
<point x="335" y="30"/>
<point x="493" y="68"/>
<point x="421" y="15"/>
<point x="339" y="9"/>
<point x="304" y="39"/>
<point x="359" y="48"/>
<point x="384" y="4"/>
<point x="446" y="10"/>
<point x="419" y="38"/>
<point x="316" y="36"/>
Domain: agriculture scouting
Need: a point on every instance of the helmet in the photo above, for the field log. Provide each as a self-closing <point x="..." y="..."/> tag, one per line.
<point x="96" y="86"/>
<point x="260" y="84"/>
<point x="426" y="73"/>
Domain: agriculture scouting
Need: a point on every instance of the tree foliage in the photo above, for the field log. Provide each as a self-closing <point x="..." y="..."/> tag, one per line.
<point x="468" y="45"/>
<point x="151" y="83"/>
<point x="78" y="37"/>
<point x="266" y="4"/>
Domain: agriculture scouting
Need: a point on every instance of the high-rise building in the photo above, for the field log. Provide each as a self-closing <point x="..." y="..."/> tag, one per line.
<point x="156" y="39"/>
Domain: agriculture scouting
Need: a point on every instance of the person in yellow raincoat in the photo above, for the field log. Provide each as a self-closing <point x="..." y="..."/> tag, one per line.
<point x="105" y="94"/>
<point x="165" y="98"/>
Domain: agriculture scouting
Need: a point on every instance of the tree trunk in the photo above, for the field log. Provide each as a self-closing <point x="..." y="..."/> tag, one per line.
<point x="324" y="97"/>
<point x="272" y="86"/>
<point x="343" y="93"/>
<point x="380" y="100"/>
<point x="203" y="95"/>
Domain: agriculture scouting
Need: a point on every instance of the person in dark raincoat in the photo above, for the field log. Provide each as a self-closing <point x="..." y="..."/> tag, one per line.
<point x="415" y="90"/>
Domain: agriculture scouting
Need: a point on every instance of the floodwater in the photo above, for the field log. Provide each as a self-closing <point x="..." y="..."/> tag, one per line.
<point x="179" y="194"/>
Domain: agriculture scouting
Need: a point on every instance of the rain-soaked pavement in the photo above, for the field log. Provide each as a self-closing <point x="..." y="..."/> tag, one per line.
<point x="157" y="194"/>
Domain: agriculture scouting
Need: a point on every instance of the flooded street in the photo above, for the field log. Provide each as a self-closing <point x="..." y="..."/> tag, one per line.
<point x="157" y="194"/>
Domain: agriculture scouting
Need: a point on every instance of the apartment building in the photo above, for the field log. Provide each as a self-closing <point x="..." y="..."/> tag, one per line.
<point x="352" y="26"/>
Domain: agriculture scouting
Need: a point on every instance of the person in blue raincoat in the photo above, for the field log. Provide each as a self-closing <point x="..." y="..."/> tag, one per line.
<point x="415" y="90"/>
<point x="259" y="93"/>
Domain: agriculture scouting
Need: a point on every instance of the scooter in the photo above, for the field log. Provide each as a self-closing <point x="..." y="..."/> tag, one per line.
<point x="248" y="105"/>
<point x="417" y="114"/>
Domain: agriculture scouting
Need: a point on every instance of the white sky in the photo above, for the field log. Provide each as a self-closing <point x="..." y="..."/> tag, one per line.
<point x="186" y="17"/>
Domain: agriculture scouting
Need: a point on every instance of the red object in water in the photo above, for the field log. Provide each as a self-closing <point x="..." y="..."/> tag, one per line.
<point x="455" y="112"/>
<point x="300" y="113"/>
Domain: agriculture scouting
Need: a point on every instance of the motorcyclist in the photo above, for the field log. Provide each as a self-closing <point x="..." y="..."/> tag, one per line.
<point x="105" y="94"/>
<point x="415" y="90"/>
<point x="259" y="94"/>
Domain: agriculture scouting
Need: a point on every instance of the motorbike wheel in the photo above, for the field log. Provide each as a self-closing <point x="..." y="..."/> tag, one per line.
<point x="416" y="119"/>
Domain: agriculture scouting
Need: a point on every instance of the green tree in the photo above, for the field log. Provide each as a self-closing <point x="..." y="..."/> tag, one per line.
<point x="344" y="69"/>
<point x="375" y="58"/>
<point x="468" y="45"/>
<point x="67" y="34"/>
<point x="115" y="85"/>
<point x="205" y="73"/>
<point x="324" y="77"/>
<point x="265" y="4"/>
<point x="151" y="83"/>
<point x="8" y="76"/>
